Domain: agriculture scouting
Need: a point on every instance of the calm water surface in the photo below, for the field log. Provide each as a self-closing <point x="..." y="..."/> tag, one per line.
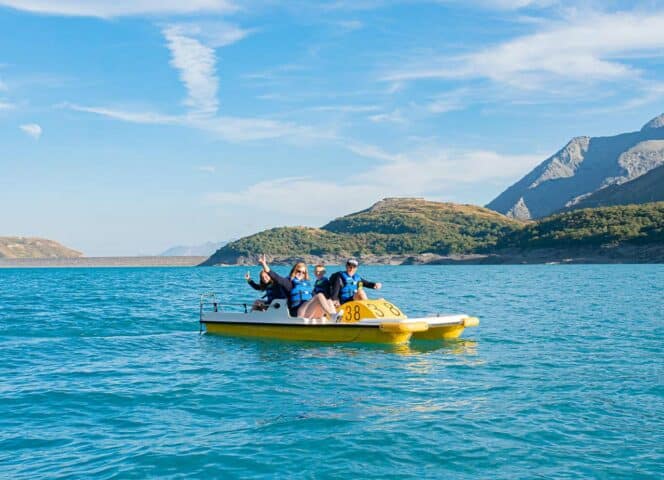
<point x="103" y="375"/>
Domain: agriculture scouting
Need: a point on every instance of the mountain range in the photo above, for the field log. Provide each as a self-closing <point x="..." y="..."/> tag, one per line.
<point x="585" y="167"/>
<point x="649" y="187"/>
<point x="203" y="250"/>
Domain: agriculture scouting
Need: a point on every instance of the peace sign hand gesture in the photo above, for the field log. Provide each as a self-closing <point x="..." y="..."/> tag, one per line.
<point x="263" y="261"/>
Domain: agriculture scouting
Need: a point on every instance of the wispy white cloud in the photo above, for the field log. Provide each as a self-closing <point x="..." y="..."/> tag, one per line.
<point x="196" y="65"/>
<point x="125" y="115"/>
<point x="431" y="171"/>
<point x="450" y="101"/>
<point x="395" y="116"/>
<point x="505" y="4"/>
<point x="592" y="48"/>
<point x="432" y="166"/>
<point x="239" y="129"/>
<point x="647" y="94"/>
<point x="192" y="46"/>
<point x="206" y="168"/>
<point x="6" y="106"/>
<point x="117" y="8"/>
<point x="232" y="129"/>
<point x="32" y="129"/>
<point x="195" y="62"/>
<point x="345" y="108"/>
<point x="280" y="192"/>
<point x="215" y="34"/>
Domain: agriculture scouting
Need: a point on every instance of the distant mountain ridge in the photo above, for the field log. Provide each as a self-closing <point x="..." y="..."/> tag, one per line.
<point x="203" y="250"/>
<point x="647" y="188"/>
<point x="584" y="166"/>
<point x="34" y="247"/>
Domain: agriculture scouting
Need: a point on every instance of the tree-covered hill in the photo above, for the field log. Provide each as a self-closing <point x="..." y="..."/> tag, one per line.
<point x="412" y="227"/>
<point x="633" y="224"/>
<point x="399" y="226"/>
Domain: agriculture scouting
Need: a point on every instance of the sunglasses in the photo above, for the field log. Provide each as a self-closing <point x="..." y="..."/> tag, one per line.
<point x="301" y="271"/>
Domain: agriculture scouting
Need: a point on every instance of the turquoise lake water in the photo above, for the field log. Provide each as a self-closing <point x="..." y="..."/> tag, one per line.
<point x="103" y="375"/>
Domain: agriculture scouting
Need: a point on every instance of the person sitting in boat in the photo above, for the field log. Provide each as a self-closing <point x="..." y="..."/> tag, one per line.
<point x="272" y="290"/>
<point x="322" y="283"/>
<point x="301" y="300"/>
<point x="348" y="285"/>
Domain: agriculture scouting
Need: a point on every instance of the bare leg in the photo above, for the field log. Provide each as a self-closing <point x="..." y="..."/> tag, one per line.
<point x="302" y="310"/>
<point x="326" y="304"/>
<point x="360" y="295"/>
<point x="317" y="307"/>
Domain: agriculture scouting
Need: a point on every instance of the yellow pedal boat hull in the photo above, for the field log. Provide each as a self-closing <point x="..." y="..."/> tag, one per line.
<point x="313" y="333"/>
<point x="370" y="321"/>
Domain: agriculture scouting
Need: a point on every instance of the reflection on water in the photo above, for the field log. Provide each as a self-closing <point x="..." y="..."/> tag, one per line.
<point x="275" y="350"/>
<point x="454" y="347"/>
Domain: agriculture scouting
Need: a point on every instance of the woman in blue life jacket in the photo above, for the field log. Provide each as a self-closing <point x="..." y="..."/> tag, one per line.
<point x="302" y="302"/>
<point x="348" y="285"/>
<point x="272" y="290"/>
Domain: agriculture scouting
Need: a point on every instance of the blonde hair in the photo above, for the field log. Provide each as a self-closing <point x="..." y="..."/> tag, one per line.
<point x="295" y="267"/>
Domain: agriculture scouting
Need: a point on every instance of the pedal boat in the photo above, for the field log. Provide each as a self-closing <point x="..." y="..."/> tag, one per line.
<point x="368" y="321"/>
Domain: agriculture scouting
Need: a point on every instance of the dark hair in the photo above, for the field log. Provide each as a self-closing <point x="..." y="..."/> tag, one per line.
<point x="263" y="283"/>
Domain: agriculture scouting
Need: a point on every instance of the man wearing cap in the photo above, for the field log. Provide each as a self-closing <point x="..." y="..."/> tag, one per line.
<point x="348" y="285"/>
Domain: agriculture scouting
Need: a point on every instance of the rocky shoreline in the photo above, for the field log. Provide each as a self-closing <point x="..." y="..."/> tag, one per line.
<point x="586" y="255"/>
<point x="604" y="254"/>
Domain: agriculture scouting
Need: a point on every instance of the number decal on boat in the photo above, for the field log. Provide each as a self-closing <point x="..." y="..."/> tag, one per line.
<point x="394" y="310"/>
<point x="348" y="314"/>
<point x="356" y="313"/>
<point x="357" y="310"/>
<point x="376" y="310"/>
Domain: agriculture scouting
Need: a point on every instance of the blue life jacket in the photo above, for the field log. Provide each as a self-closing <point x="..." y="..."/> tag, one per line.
<point x="273" y="292"/>
<point x="322" y="286"/>
<point x="350" y="287"/>
<point x="300" y="293"/>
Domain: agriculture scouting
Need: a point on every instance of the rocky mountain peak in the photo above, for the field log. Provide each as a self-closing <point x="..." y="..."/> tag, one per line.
<point x="657" y="122"/>
<point x="582" y="167"/>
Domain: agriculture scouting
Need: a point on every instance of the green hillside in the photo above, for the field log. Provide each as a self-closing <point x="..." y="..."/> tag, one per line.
<point x="390" y="227"/>
<point x="31" y="247"/>
<point x="636" y="224"/>
<point x="415" y="226"/>
<point x="649" y="187"/>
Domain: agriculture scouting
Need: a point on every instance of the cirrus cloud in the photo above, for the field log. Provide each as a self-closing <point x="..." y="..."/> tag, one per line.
<point x="432" y="171"/>
<point x="117" y="8"/>
<point x="593" y="48"/>
<point x="32" y="129"/>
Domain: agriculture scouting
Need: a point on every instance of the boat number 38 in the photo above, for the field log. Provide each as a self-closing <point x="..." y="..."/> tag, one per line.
<point x="355" y="311"/>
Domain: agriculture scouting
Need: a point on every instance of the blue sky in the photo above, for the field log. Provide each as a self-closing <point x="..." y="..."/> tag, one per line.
<point x="128" y="127"/>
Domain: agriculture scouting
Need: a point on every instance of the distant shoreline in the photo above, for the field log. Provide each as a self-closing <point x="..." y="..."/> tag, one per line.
<point x="82" y="262"/>
<point x="628" y="254"/>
